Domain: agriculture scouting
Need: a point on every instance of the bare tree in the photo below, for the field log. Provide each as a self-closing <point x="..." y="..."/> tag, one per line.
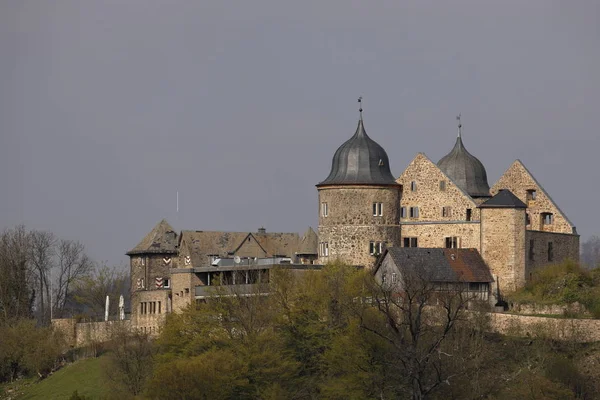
<point x="41" y="255"/>
<point x="16" y="293"/>
<point x="72" y="264"/>
<point x="419" y="316"/>
<point x="91" y="291"/>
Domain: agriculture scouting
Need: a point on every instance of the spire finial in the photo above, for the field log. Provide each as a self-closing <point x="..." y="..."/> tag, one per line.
<point x="459" y="125"/>
<point x="360" y="110"/>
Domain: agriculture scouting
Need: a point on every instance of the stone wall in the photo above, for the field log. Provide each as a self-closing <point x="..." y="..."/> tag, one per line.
<point x="519" y="180"/>
<point x="434" y="235"/>
<point x="183" y="288"/>
<point x="149" y="309"/>
<point x="578" y="330"/>
<point x="564" y="247"/>
<point x="429" y="197"/>
<point x="350" y="225"/>
<point x="86" y="333"/>
<point x="503" y="245"/>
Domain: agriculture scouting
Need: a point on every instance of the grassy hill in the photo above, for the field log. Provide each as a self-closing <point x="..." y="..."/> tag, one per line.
<point x="85" y="376"/>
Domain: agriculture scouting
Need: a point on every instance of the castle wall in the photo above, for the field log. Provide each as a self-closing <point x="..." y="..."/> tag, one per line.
<point x="350" y="225"/>
<point x="564" y="247"/>
<point x="503" y="245"/>
<point x="435" y="234"/>
<point x="184" y="282"/>
<point x="430" y="197"/>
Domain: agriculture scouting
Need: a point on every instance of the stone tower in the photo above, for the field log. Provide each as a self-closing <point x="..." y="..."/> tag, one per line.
<point x="359" y="203"/>
<point x="150" y="265"/>
<point x="503" y="239"/>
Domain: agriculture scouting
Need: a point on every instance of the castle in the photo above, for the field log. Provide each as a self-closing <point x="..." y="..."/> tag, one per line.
<point x="510" y="229"/>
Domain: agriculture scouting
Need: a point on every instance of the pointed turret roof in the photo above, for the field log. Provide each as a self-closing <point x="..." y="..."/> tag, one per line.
<point x="162" y="239"/>
<point x="504" y="199"/>
<point x="360" y="160"/>
<point x="465" y="170"/>
<point x="309" y="242"/>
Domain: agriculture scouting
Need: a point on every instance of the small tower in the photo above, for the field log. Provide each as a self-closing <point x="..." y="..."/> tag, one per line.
<point x="150" y="271"/>
<point x="358" y="203"/>
<point x="503" y="239"/>
<point x="465" y="170"/>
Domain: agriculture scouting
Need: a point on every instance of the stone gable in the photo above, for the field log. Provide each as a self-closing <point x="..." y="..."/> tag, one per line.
<point x="428" y="194"/>
<point x="519" y="181"/>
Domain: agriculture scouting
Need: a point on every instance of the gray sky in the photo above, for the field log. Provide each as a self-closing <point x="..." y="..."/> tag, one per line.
<point x="107" y="108"/>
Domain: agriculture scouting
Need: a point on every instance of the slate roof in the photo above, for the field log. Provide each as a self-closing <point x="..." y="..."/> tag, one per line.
<point x="465" y="170"/>
<point x="440" y="265"/>
<point x="204" y="243"/>
<point x="503" y="199"/>
<point x="162" y="239"/>
<point x="360" y="160"/>
<point x="308" y="243"/>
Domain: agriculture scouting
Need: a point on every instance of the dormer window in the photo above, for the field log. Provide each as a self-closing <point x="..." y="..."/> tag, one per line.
<point x="377" y="209"/>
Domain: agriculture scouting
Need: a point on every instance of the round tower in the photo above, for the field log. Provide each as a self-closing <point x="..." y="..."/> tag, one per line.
<point x="359" y="203"/>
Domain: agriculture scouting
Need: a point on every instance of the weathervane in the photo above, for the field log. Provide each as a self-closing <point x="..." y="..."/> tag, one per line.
<point x="459" y="125"/>
<point x="360" y="106"/>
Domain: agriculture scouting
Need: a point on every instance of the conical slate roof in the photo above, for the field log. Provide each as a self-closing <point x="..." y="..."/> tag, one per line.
<point x="308" y="244"/>
<point x="465" y="170"/>
<point x="360" y="160"/>
<point x="504" y="199"/>
<point x="162" y="239"/>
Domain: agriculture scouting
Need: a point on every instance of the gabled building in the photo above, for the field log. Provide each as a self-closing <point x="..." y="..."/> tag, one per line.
<point x="436" y="269"/>
<point x="170" y="271"/>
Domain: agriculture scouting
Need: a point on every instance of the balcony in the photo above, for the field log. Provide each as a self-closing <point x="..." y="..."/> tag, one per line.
<point x="231" y="290"/>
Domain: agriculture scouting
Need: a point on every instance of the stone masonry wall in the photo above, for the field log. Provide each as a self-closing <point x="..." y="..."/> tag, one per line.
<point x="183" y="289"/>
<point x="503" y="245"/>
<point x="153" y="316"/>
<point x="564" y="247"/>
<point x="148" y="267"/>
<point x="435" y="234"/>
<point x="518" y="180"/>
<point x="350" y="224"/>
<point x="429" y="197"/>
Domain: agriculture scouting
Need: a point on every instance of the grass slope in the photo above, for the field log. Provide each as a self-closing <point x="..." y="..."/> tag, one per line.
<point x="85" y="376"/>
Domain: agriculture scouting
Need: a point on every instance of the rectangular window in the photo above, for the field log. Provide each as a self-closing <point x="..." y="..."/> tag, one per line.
<point x="452" y="242"/>
<point x="324" y="210"/>
<point x="410" y="242"/>
<point x="469" y="214"/>
<point x="376" y="248"/>
<point x="446" y="211"/>
<point x="531" y="195"/>
<point x="377" y="209"/>
<point x="413" y="187"/>
<point x="141" y="308"/>
<point x="166" y="283"/>
<point x="394" y="277"/>
<point x="474" y="287"/>
<point x="550" y="251"/>
<point x="442" y="185"/>
<point x="159" y="310"/>
<point x="324" y="249"/>
<point x="402" y="212"/>
<point x="547" y="218"/>
<point x="527" y="219"/>
<point x="531" y="246"/>
<point x="143" y="259"/>
<point x="414" y="212"/>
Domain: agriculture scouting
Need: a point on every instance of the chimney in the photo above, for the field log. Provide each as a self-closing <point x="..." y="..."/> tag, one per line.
<point x="262" y="230"/>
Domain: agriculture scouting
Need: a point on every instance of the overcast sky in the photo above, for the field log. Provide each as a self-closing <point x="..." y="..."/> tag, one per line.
<point x="107" y="108"/>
